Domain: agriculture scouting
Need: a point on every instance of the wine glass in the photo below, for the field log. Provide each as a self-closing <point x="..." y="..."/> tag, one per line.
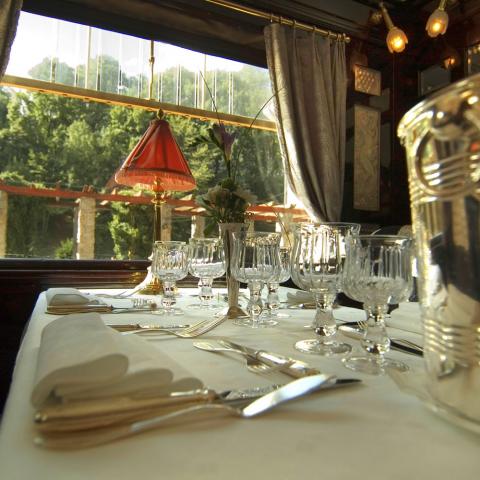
<point x="317" y="266"/>
<point x="377" y="269"/>
<point x="206" y="261"/>
<point x="255" y="262"/>
<point x="169" y="265"/>
<point x="282" y="274"/>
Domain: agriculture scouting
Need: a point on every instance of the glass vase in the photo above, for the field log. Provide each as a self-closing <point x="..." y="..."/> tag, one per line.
<point x="233" y="286"/>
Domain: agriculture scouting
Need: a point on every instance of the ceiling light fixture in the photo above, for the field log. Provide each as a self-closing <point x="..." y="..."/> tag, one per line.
<point x="437" y="23"/>
<point x="396" y="38"/>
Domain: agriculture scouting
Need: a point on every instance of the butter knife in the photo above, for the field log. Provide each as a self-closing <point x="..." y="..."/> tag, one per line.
<point x="290" y="366"/>
<point x="126" y="327"/>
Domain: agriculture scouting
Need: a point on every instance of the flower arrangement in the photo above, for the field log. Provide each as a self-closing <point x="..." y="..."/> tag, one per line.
<point x="226" y="202"/>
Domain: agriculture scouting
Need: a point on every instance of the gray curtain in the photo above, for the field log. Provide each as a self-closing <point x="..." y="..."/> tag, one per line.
<point x="308" y="72"/>
<point x="9" y="13"/>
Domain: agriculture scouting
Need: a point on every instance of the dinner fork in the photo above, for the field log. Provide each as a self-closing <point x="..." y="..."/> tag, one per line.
<point x="193" y="331"/>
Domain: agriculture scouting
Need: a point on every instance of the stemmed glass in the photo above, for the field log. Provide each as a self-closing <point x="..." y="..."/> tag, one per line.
<point x="377" y="269"/>
<point x="317" y="266"/>
<point x="282" y="274"/>
<point x="255" y="262"/>
<point x="169" y="265"/>
<point x="206" y="261"/>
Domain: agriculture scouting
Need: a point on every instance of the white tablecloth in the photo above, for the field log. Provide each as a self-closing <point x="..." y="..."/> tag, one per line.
<point x="373" y="431"/>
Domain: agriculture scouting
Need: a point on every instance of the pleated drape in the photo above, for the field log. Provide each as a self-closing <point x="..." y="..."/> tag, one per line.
<point x="9" y="13"/>
<point x="308" y="72"/>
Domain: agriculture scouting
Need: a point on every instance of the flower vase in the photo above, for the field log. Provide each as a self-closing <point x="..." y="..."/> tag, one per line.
<point x="233" y="286"/>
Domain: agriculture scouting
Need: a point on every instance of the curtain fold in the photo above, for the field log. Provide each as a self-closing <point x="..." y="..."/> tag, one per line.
<point x="9" y="13"/>
<point x="308" y="72"/>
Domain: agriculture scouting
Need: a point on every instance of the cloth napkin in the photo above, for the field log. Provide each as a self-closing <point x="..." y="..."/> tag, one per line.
<point x="406" y="317"/>
<point x="80" y="358"/>
<point x="60" y="297"/>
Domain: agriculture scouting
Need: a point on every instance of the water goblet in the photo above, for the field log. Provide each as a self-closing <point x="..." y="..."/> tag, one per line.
<point x="282" y="274"/>
<point x="169" y="265"/>
<point x="206" y="261"/>
<point x="317" y="266"/>
<point x="255" y="262"/>
<point x="377" y="269"/>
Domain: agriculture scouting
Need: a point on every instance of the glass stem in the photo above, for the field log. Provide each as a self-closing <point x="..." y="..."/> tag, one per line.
<point x="255" y="304"/>
<point x="376" y="341"/>
<point x="325" y="324"/>
<point x="205" y="293"/>
<point x="168" y="299"/>
<point x="273" y="300"/>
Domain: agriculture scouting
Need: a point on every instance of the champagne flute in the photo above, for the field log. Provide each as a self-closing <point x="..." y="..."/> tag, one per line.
<point x="377" y="269"/>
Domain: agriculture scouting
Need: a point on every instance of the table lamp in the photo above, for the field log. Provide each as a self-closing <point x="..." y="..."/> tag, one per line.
<point x="157" y="164"/>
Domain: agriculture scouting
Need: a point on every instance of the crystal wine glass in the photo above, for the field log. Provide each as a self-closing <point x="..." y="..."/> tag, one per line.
<point x="282" y="274"/>
<point x="377" y="269"/>
<point x="255" y="262"/>
<point x="206" y="261"/>
<point x="169" y="265"/>
<point x="317" y="266"/>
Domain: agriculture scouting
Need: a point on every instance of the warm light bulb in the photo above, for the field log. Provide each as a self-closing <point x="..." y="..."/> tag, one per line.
<point x="396" y="40"/>
<point x="437" y="23"/>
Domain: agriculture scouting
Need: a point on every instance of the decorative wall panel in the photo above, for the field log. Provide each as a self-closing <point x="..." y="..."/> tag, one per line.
<point x="368" y="80"/>
<point x="366" y="162"/>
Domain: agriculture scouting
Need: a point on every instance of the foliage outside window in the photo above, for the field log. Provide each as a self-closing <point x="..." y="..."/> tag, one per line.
<point x="47" y="139"/>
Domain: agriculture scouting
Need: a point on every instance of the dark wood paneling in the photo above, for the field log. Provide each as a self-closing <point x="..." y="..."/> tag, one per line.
<point x="21" y="281"/>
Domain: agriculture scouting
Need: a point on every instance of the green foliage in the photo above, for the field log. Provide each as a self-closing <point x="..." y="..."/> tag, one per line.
<point x="45" y="139"/>
<point x="65" y="249"/>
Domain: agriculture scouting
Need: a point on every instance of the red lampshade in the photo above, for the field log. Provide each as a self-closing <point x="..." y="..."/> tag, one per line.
<point x="156" y="163"/>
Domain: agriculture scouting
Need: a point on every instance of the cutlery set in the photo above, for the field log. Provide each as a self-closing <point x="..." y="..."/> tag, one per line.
<point x="91" y="430"/>
<point x="94" y="422"/>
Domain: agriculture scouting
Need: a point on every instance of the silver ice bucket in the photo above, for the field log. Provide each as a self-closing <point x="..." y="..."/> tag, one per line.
<point x="442" y="139"/>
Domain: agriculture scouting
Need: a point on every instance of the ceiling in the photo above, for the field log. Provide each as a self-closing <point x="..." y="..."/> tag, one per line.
<point x="204" y="26"/>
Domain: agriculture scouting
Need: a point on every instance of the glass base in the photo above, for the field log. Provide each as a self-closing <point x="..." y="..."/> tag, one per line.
<point x="171" y="312"/>
<point x="261" y="323"/>
<point x="373" y="365"/>
<point x="323" y="348"/>
<point x="200" y="306"/>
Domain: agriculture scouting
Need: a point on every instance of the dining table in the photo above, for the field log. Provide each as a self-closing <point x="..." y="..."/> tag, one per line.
<point x="372" y="429"/>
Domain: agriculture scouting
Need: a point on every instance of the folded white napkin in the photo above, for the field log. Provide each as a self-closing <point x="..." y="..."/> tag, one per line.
<point x="81" y="358"/>
<point x="406" y="317"/>
<point x="61" y="297"/>
<point x="299" y="296"/>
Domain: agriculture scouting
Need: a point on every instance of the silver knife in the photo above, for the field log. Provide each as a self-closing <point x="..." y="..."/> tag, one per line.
<point x="353" y="332"/>
<point x="290" y="366"/>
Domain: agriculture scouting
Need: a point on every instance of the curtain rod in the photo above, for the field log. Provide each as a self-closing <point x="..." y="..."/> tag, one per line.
<point x="273" y="17"/>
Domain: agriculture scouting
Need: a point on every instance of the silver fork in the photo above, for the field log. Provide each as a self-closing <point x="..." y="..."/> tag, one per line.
<point x="143" y="302"/>
<point x="193" y="331"/>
